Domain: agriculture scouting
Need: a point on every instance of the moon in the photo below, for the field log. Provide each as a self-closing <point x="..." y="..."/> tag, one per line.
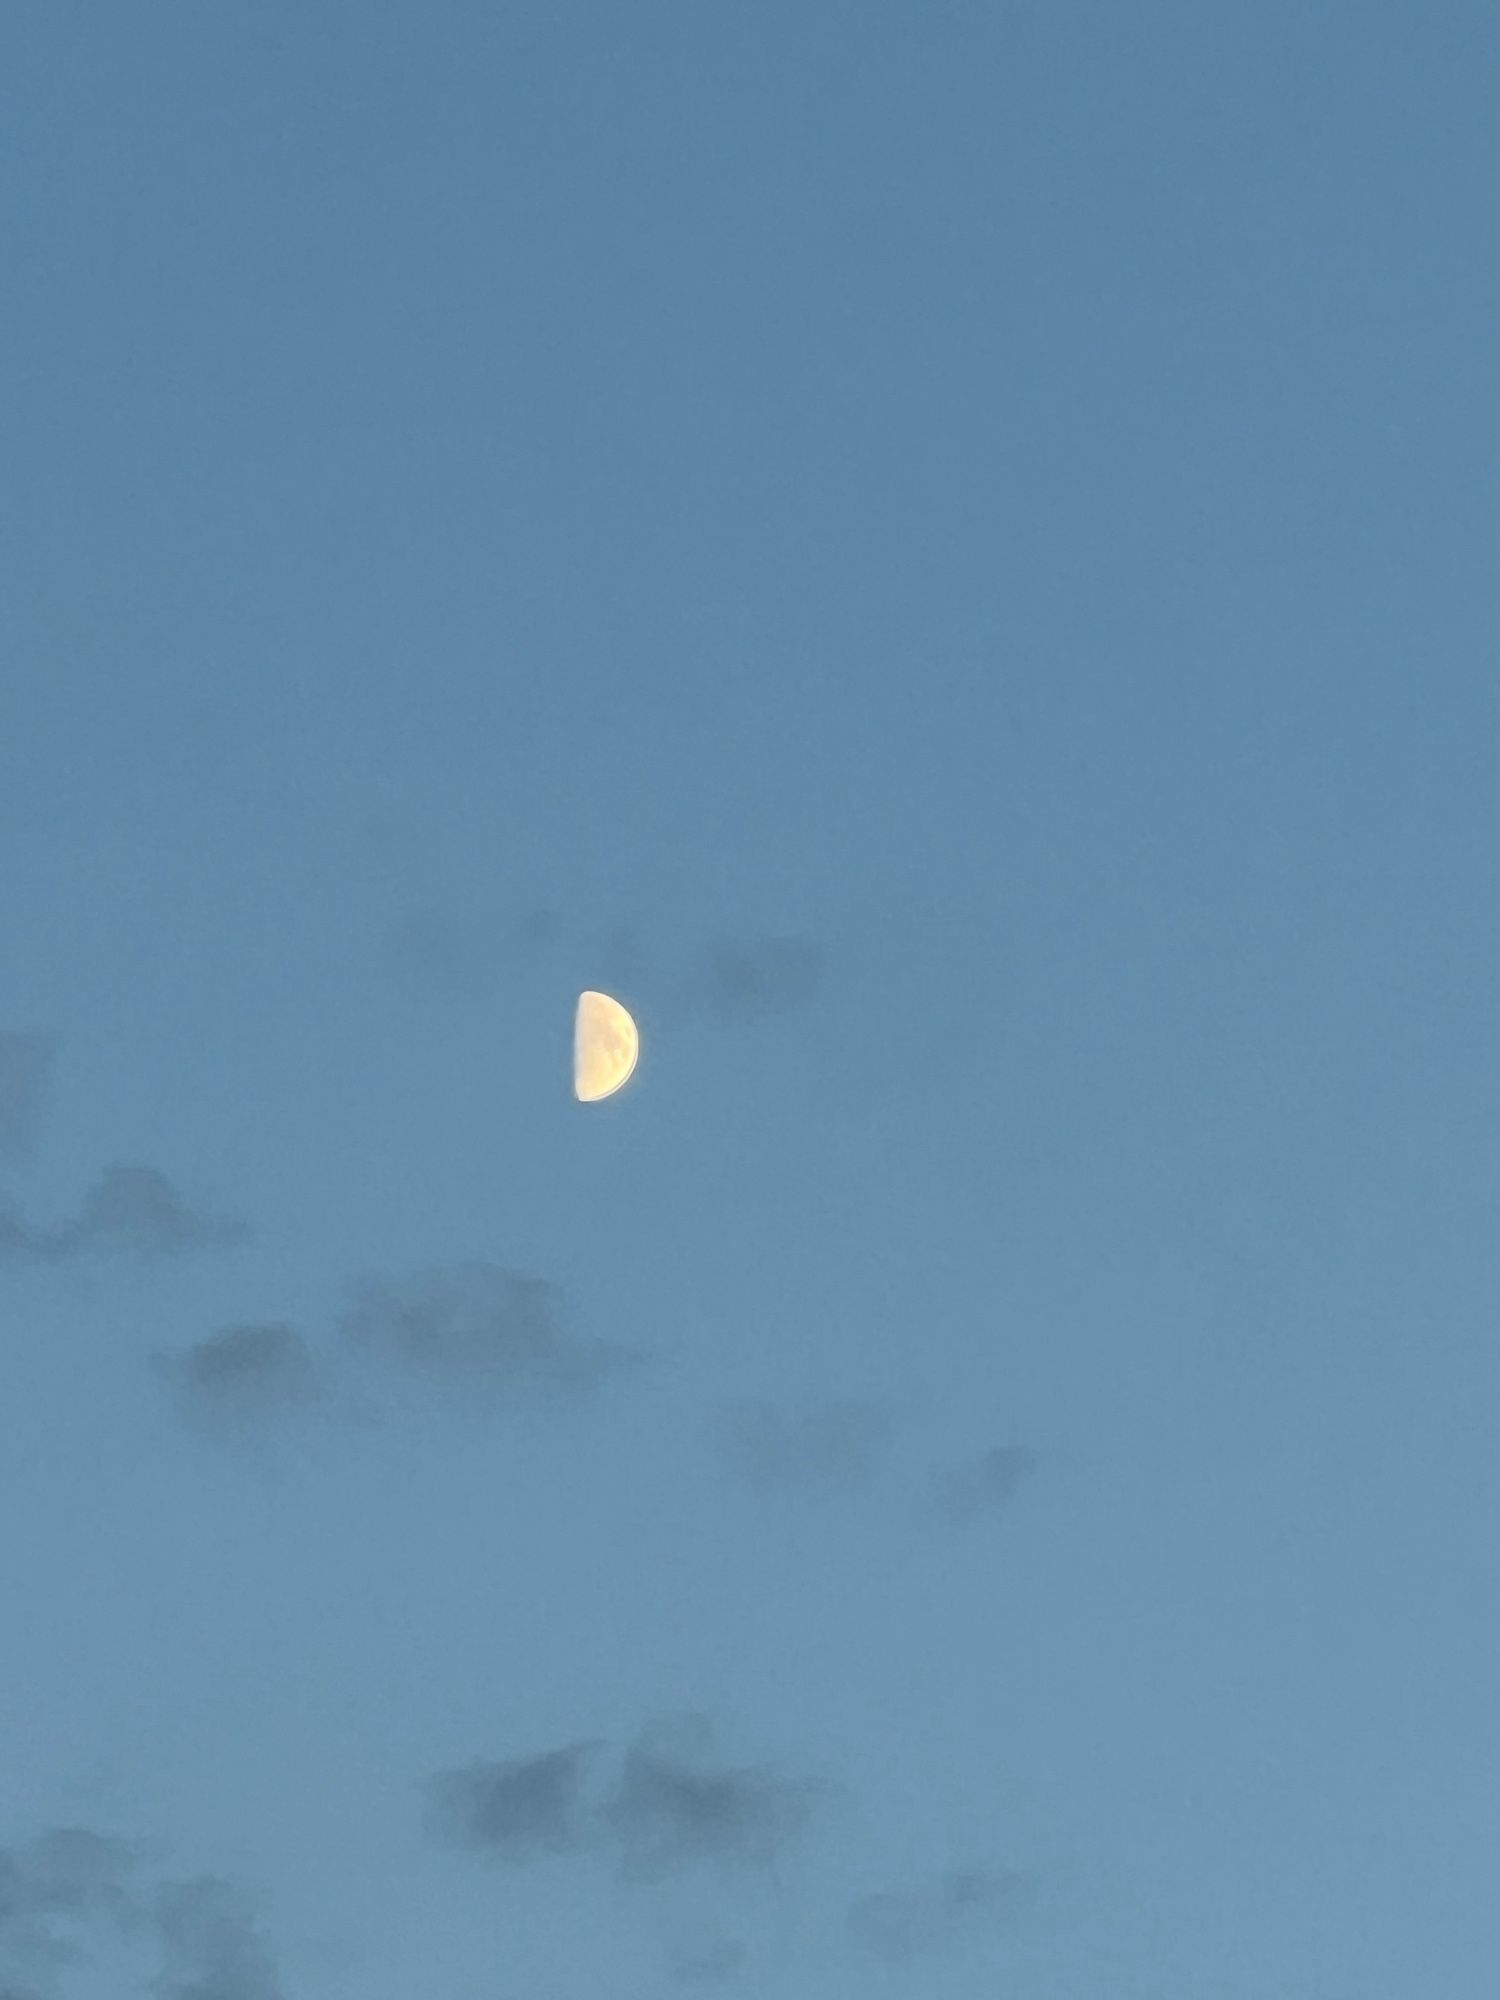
<point x="606" y="1047"/>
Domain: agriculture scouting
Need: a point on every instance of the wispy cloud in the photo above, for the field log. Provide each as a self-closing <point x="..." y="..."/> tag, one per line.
<point x="833" y="1445"/>
<point x="129" y="1211"/>
<point x="726" y="979"/>
<point x="675" y="1804"/>
<point x="479" y="1330"/>
<point x="480" y="1337"/>
<point x="26" y="1063"/>
<point x="670" y="1804"/>
<point x="712" y="1962"/>
<point x="902" y="1924"/>
<point x="990" y="1483"/>
<point x="741" y="979"/>
<point x="517" y="1809"/>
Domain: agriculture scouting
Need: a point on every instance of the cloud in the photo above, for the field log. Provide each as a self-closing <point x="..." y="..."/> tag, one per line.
<point x="440" y="952"/>
<point x="26" y="1061"/>
<point x="518" y="1809"/>
<point x="990" y="1483"/>
<point x="212" y="1948"/>
<point x="55" y="1889"/>
<point x="744" y="979"/>
<point x="712" y="1963"/>
<point x="673" y="1806"/>
<point x="70" y="1894"/>
<point x="669" y="1805"/>
<point x="482" y="1337"/>
<point x="17" y="1239"/>
<point x="243" y="1378"/>
<point x="480" y="1330"/>
<point x="831" y="1445"/>
<point x="136" y="1209"/>
<point x="130" y="1210"/>
<point x="897" y="1925"/>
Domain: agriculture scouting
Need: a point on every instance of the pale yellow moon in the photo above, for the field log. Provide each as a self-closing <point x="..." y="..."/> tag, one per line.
<point x="606" y="1047"/>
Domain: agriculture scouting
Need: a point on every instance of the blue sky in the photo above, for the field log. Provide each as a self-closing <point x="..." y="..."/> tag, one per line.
<point x="944" y="554"/>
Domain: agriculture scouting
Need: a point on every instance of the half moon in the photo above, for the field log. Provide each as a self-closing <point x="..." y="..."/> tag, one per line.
<point x="606" y="1047"/>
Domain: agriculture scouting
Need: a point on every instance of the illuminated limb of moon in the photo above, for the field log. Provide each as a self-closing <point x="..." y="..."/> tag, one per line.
<point x="606" y="1047"/>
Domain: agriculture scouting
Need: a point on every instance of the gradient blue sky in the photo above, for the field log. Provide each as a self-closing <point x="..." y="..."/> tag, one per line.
<point x="945" y="553"/>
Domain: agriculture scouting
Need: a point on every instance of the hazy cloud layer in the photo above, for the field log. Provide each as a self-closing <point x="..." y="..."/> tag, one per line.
<point x="669" y="1805"/>
<point x="990" y="1483"/>
<point x="244" y="1378"/>
<point x="26" y="1061"/>
<point x="902" y="1924"/>
<point x="130" y="1210"/>
<point x="834" y="1445"/>
<point x="479" y="1330"/>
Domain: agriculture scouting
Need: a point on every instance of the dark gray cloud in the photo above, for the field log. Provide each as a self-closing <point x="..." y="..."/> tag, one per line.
<point x="26" y="1061"/>
<point x="903" y="1924"/>
<point x="675" y="1805"/>
<point x="243" y="1378"/>
<point x="130" y="1210"/>
<point x="212" y="1948"/>
<point x="833" y="1445"/>
<point x="479" y="1330"/>
<point x="990" y="1483"/>
<point x="518" y="1809"/>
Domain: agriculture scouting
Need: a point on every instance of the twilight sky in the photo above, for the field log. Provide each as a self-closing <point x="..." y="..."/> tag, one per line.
<point x="944" y="552"/>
